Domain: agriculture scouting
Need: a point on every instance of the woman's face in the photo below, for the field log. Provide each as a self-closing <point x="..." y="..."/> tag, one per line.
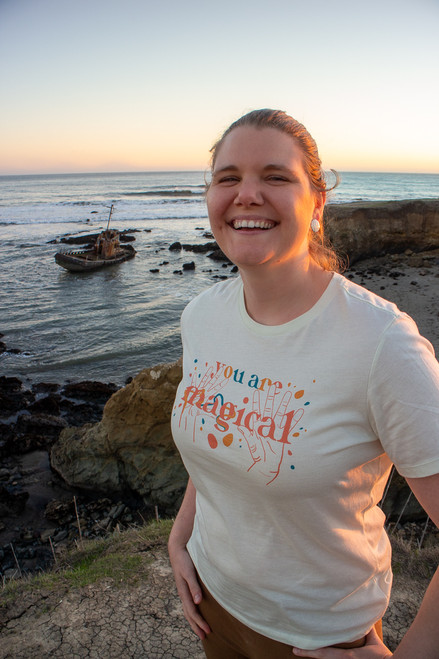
<point x="260" y="200"/>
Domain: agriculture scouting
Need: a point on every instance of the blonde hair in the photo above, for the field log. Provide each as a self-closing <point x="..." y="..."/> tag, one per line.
<point x="319" y="248"/>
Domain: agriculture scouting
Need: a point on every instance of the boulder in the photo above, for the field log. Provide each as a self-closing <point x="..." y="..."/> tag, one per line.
<point x="175" y="247"/>
<point x="12" y="396"/>
<point x="46" y="405"/>
<point x="36" y="431"/>
<point x="89" y="390"/>
<point x="364" y="229"/>
<point x="218" y="255"/>
<point x="201" y="249"/>
<point x="131" y="448"/>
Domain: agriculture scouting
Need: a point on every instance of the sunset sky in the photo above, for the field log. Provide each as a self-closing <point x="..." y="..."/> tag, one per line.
<point x="135" y="85"/>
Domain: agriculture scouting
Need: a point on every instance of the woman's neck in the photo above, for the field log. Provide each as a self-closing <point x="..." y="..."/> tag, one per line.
<point x="274" y="296"/>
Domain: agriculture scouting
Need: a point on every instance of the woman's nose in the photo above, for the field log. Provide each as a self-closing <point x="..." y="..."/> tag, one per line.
<point x="248" y="193"/>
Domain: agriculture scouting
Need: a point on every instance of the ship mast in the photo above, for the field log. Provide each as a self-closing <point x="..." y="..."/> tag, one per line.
<point x="109" y="217"/>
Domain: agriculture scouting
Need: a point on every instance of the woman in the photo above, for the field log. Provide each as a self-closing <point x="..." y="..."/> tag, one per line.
<point x="299" y="390"/>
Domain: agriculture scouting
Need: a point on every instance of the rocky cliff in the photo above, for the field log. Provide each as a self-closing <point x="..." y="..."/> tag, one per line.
<point x="131" y="448"/>
<point x="364" y="229"/>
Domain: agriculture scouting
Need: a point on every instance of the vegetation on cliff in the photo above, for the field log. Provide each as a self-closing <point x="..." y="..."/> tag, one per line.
<point x="122" y="558"/>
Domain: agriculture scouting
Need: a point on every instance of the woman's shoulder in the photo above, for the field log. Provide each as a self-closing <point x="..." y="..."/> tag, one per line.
<point x="362" y="300"/>
<point x="375" y="316"/>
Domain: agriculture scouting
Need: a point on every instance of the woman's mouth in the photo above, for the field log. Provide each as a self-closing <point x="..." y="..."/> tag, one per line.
<point x="252" y="223"/>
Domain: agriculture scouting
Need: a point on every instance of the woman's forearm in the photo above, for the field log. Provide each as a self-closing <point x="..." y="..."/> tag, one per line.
<point x="186" y="577"/>
<point x="422" y="638"/>
<point x="184" y="522"/>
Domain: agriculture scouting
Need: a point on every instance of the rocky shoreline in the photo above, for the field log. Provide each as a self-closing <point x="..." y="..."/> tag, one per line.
<point x="35" y="504"/>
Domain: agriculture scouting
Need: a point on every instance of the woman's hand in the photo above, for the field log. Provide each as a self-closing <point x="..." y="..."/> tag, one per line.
<point x="188" y="588"/>
<point x="374" y="649"/>
<point x="184" y="571"/>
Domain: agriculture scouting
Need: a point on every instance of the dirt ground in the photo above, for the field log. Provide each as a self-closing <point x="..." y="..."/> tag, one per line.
<point x="101" y="621"/>
<point x="146" y="621"/>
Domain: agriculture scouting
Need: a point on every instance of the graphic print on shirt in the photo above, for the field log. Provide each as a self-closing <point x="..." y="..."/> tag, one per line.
<point x="265" y="421"/>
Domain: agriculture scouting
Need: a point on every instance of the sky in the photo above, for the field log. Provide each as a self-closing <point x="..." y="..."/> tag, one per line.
<point x="138" y="85"/>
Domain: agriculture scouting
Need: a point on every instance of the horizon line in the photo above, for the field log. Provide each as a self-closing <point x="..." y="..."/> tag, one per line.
<point x="191" y="170"/>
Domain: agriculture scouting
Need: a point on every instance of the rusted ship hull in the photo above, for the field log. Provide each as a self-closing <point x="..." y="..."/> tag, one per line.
<point x="85" y="261"/>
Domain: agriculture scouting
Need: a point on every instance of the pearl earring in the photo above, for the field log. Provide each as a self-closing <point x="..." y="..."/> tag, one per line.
<point x="315" y="225"/>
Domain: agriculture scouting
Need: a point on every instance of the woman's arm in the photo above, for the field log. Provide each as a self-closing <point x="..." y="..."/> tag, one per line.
<point x="184" y="571"/>
<point x="422" y="638"/>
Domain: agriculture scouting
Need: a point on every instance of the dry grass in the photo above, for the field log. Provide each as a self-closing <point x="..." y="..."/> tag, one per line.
<point x="122" y="558"/>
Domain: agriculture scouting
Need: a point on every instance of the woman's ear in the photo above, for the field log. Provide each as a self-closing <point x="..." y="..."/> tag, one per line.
<point x="320" y="198"/>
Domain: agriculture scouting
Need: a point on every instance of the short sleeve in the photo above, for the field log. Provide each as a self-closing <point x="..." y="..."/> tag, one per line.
<point x="403" y="399"/>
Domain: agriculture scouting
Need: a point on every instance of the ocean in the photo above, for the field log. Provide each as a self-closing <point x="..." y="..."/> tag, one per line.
<point x="109" y="324"/>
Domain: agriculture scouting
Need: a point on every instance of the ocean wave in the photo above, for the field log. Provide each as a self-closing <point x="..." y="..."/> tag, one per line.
<point x="163" y="193"/>
<point x="48" y="220"/>
<point x="98" y="204"/>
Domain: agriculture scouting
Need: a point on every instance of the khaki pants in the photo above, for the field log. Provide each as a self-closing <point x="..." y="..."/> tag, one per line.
<point x="231" y="639"/>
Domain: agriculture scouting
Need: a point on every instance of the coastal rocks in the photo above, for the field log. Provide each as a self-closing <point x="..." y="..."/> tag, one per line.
<point x="363" y="229"/>
<point x="90" y="390"/>
<point x="12" y="396"/>
<point x="36" y="431"/>
<point x="175" y="247"/>
<point x="131" y="449"/>
<point x="201" y="249"/>
<point x="218" y="255"/>
<point x="4" y="348"/>
<point x="49" y="516"/>
<point x="12" y="502"/>
<point x="211" y="249"/>
<point x="92" y="519"/>
<point x="68" y="521"/>
<point x="32" y="419"/>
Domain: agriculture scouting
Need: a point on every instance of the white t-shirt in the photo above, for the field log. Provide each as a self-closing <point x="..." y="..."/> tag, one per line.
<point x="288" y="433"/>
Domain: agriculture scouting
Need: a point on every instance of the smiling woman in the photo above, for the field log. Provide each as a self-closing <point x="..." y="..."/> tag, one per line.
<point x="280" y="542"/>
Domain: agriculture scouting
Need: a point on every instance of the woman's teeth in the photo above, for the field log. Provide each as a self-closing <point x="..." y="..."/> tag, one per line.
<point x="252" y="224"/>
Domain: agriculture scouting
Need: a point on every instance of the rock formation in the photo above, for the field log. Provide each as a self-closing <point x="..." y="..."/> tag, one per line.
<point x="131" y="449"/>
<point x="364" y="229"/>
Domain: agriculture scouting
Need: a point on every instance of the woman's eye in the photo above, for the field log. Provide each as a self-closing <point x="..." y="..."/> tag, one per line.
<point x="228" y="179"/>
<point x="277" y="178"/>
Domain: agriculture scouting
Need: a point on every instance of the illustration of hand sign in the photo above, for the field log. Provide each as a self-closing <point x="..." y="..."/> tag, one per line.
<point x="269" y="436"/>
<point x="198" y="393"/>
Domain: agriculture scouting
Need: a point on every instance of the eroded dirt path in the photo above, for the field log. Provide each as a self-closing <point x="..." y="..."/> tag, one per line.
<point x="141" y="622"/>
<point x="102" y="621"/>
